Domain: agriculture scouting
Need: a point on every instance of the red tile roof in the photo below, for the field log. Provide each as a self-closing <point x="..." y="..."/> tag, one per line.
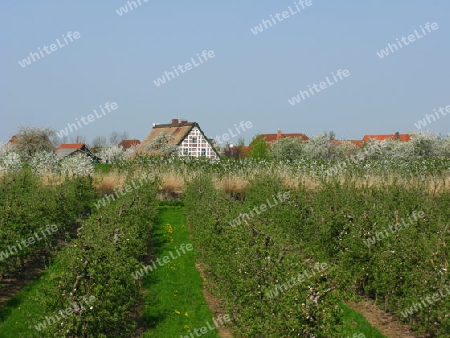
<point x="13" y="139"/>
<point x="279" y="136"/>
<point x="357" y="143"/>
<point x="126" y="144"/>
<point x="71" y="146"/>
<point x="401" y="137"/>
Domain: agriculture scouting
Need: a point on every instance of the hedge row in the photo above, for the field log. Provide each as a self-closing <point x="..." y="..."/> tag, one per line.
<point x="407" y="262"/>
<point x="94" y="281"/>
<point x="257" y="268"/>
<point x="33" y="215"/>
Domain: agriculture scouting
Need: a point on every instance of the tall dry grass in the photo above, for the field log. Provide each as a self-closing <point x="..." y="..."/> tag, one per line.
<point x="107" y="183"/>
<point x="174" y="182"/>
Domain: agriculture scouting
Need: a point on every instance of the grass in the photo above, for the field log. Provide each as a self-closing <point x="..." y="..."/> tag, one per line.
<point x="18" y="313"/>
<point x="355" y="323"/>
<point x="103" y="168"/>
<point x="174" y="301"/>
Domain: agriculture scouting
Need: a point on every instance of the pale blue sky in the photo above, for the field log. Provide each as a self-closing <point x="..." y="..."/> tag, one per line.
<point x="251" y="77"/>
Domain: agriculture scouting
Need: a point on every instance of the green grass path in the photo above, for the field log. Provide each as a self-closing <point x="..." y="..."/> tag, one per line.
<point x="355" y="324"/>
<point x="174" y="302"/>
<point x="174" y="305"/>
<point x="18" y="314"/>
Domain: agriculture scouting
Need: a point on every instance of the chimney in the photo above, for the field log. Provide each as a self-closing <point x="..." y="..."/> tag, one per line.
<point x="278" y="134"/>
<point x="183" y="121"/>
<point x="175" y="121"/>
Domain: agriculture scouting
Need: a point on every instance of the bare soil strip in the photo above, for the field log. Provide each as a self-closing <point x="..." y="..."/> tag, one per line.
<point x="13" y="283"/>
<point x="213" y="302"/>
<point x="384" y="322"/>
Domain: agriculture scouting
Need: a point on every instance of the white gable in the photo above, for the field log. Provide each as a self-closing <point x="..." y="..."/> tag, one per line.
<point x="196" y="145"/>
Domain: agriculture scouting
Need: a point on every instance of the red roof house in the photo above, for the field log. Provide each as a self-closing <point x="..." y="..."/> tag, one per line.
<point x="357" y="143"/>
<point x="269" y="138"/>
<point x="396" y="136"/>
<point x="279" y="135"/>
<point x="69" y="149"/>
<point x="13" y="140"/>
<point x="126" y="144"/>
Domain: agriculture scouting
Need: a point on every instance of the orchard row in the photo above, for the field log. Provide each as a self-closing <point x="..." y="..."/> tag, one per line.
<point x="258" y="264"/>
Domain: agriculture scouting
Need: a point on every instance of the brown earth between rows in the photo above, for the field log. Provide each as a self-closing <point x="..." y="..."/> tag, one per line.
<point x="213" y="302"/>
<point x="384" y="322"/>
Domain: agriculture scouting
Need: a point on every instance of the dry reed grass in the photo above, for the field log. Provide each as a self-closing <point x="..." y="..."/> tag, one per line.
<point x="231" y="184"/>
<point x="173" y="182"/>
<point x="51" y="179"/>
<point x="107" y="183"/>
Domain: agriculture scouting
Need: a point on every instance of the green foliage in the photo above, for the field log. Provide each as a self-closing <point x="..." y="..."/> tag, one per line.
<point x="259" y="149"/>
<point x="99" y="264"/>
<point x="251" y="259"/>
<point x="331" y="225"/>
<point x="319" y="147"/>
<point x="29" y="207"/>
<point x="31" y="140"/>
<point x="103" y="168"/>
<point x="174" y="303"/>
<point x="355" y="324"/>
<point x="171" y="203"/>
<point x="288" y="149"/>
<point x="246" y="261"/>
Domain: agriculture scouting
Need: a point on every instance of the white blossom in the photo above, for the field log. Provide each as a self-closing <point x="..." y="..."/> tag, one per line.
<point x="77" y="165"/>
<point x="113" y="153"/>
<point x="10" y="161"/>
<point x="44" y="162"/>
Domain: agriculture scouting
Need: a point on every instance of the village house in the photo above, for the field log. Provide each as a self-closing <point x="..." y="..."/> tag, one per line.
<point x="70" y="149"/>
<point x="279" y="135"/>
<point x="127" y="144"/>
<point x="187" y="136"/>
<point x="13" y="140"/>
<point x="356" y="143"/>
<point x="396" y="136"/>
<point x="269" y="138"/>
<point x="242" y="152"/>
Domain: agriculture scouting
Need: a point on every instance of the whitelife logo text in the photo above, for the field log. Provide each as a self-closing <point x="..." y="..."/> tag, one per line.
<point x="129" y="6"/>
<point x="226" y="136"/>
<point x="86" y="120"/>
<point x="280" y="17"/>
<point x="391" y="48"/>
<point x="166" y="259"/>
<point x="53" y="47"/>
<point x="423" y="123"/>
<point x="281" y="197"/>
<point x="49" y="230"/>
<point x="341" y="74"/>
<point x="187" y="66"/>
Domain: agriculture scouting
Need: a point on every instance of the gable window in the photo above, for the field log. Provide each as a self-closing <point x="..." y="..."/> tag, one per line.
<point x="194" y="140"/>
<point x="203" y="153"/>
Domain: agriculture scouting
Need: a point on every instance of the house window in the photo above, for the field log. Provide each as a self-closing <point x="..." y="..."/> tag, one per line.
<point x="203" y="152"/>
<point x="185" y="151"/>
<point x="194" y="140"/>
